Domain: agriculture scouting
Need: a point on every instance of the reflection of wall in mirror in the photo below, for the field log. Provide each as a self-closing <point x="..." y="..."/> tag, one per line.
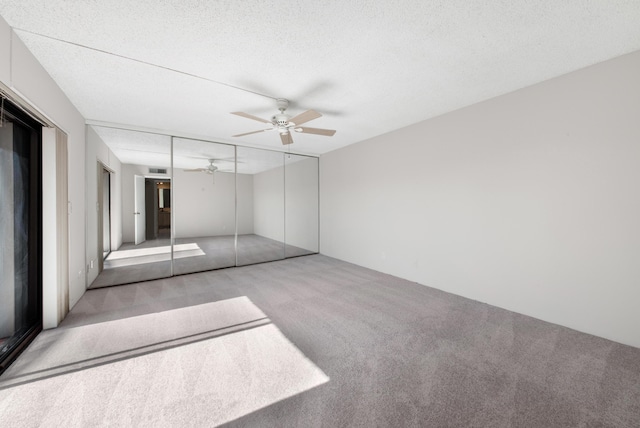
<point x="207" y="208"/>
<point x="268" y="204"/>
<point x="98" y="153"/>
<point x="204" y="208"/>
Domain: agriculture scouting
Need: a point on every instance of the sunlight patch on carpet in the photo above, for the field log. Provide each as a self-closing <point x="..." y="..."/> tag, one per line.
<point x="159" y="378"/>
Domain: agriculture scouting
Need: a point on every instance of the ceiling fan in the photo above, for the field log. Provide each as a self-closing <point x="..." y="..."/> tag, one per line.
<point x="284" y="123"/>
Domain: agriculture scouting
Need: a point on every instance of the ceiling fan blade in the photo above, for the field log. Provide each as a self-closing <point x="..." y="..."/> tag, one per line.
<point x="252" y="132"/>
<point x="317" y="131"/>
<point x="305" y="117"/>
<point x="195" y="170"/>
<point x="250" y="116"/>
<point x="286" y="138"/>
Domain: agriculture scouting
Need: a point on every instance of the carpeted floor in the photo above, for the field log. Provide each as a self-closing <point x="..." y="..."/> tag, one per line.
<point x="390" y="353"/>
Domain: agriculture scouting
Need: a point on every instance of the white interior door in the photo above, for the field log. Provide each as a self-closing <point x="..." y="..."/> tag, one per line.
<point x="139" y="210"/>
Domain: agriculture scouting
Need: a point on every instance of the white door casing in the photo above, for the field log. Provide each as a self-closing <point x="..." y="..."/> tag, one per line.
<point x="139" y="210"/>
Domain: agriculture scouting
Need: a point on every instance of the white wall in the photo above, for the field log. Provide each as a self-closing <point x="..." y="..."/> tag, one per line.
<point x="529" y="201"/>
<point x="55" y="284"/>
<point x="301" y="202"/>
<point x="97" y="151"/>
<point x="20" y="71"/>
<point x="5" y="52"/>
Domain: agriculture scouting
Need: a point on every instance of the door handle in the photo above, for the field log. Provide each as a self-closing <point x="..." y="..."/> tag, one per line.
<point x="136" y="213"/>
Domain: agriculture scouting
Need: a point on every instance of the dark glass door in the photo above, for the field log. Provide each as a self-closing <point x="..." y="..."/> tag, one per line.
<point x="20" y="232"/>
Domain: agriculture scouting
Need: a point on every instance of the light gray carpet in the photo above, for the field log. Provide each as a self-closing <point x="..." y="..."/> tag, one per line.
<point x="396" y="353"/>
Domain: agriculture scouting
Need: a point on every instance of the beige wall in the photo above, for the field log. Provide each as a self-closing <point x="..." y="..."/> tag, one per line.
<point x="529" y="201"/>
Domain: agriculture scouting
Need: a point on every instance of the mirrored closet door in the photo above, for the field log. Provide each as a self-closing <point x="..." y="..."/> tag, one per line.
<point x="139" y="166"/>
<point x="260" y="206"/>
<point x="204" y="214"/>
<point x="178" y="205"/>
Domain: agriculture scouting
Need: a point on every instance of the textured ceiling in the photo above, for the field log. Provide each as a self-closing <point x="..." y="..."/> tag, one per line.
<point x="368" y="66"/>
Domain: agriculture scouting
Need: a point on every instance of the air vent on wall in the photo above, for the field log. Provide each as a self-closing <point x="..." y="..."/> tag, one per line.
<point x="157" y="170"/>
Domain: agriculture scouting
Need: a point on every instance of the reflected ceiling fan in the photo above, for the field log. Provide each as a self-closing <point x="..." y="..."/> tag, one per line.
<point x="284" y="123"/>
<point x="209" y="169"/>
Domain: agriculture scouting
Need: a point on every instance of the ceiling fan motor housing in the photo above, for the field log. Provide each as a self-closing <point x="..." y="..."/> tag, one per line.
<point x="282" y="104"/>
<point x="281" y="120"/>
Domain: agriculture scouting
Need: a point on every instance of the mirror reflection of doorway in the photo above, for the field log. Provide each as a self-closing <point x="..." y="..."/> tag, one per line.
<point x="106" y="213"/>
<point x="104" y="207"/>
<point x="157" y="200"/>
<point x="164" y="209"/>
<point x="134" y="256"/>
<point x="139" y="219"/>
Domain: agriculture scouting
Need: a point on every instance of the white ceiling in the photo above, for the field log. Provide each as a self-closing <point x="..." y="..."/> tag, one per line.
<point x="368" y="66"/>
